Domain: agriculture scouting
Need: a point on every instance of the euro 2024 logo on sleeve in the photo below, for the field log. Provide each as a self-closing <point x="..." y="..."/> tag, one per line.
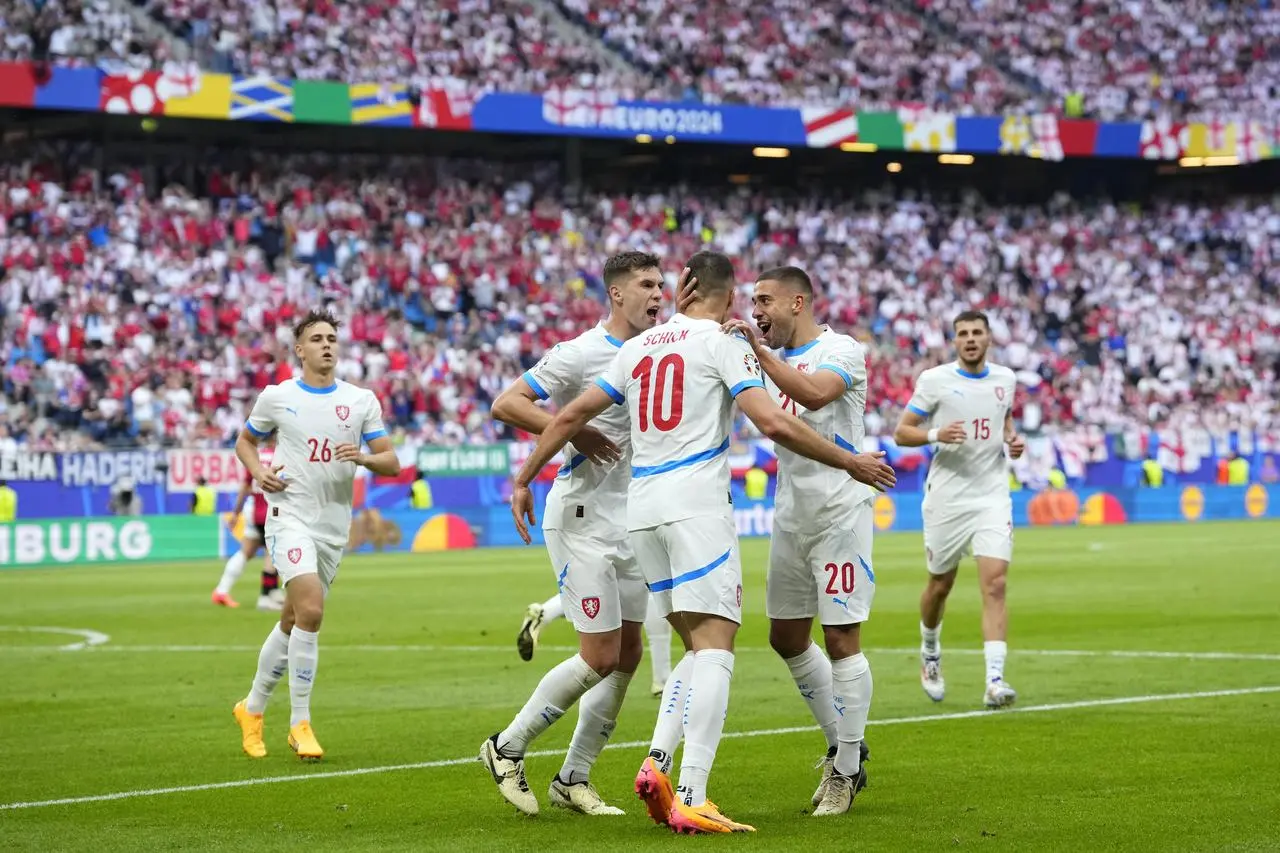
<point x="751" y="364"/>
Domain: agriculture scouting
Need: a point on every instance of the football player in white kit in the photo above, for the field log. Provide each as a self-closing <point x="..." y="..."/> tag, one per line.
<point x="678" y="383"/>
<point x="965" y="410"/>
<point x="820" y="553"/>
<point x="320" y="424"/>
<point x="601" y="588"/>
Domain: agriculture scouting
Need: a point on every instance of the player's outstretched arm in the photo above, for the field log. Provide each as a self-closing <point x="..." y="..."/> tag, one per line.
<point x="571" y="419"/>
<point x="798" y="437"/>
<point x="813" y="391"/>
<point x="517" y="406"/>
<point x="911" y="431"/>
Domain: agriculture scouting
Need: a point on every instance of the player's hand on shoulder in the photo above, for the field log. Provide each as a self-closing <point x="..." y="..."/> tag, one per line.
<point x="686" y="290"/>
<point x="744" y="328"/>
<point x="1016" y="446"/>
<point x="953" y="433"/>
<point x="596" y="446"/>
<point x="348" y="453"/>
<point x="870" y="468"/>
<point x="269" y="479"/>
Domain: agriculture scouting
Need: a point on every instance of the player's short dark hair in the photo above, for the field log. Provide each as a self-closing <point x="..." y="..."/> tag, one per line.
<point x="314" y="316"/>
<point x="793" y="277"/>
<point x="628" y="262"/>
<point x="714" y="272"/>
<point x="971" y="317"/>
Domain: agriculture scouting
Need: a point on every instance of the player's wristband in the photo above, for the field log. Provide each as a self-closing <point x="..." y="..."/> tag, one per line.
<point x="933" y="436"/>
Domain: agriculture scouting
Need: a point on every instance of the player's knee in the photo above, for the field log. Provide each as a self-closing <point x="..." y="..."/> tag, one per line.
<point x="603" y="660"/>
<point x="941" y="584"/>
<point x="993" y="587"/>
<point x="842" y="640"/>
<point x="787" y="643"/>
<point x="308" y="615"/>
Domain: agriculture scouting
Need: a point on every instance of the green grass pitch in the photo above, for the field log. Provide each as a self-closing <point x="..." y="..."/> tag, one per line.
<point x="418" y="666"/>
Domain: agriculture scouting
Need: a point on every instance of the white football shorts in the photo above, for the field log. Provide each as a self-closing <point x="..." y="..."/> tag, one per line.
<point x="692" y="566"/>
<point x="951" y="533"/>
<point x="828" y="574"/>
<point x="599" y="582"/>
<point x="295" y="553"/>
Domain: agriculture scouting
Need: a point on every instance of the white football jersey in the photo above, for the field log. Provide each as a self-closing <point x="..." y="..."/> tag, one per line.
<point x="975" y="471"/>
<point x="677" y="382"/>
<point x="309" y="423"/>
<point x="583" y="490"/>
<point x="813" y="497"/>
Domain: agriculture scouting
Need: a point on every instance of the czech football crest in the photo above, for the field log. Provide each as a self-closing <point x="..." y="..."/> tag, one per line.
<point x="1000" y="393"/>
<point x="343" y="412"/>
<point x="295" y="554"/>
<point x="591" y="607"/>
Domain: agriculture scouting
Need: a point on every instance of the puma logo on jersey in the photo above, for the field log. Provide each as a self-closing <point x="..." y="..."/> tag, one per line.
<point x="291" y="411"/>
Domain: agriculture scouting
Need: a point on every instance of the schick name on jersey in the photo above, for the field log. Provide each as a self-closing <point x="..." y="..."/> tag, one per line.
<point x="665" y="338"/>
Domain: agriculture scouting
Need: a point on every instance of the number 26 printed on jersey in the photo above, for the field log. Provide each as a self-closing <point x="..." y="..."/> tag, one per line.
<point x="661" y="392"/>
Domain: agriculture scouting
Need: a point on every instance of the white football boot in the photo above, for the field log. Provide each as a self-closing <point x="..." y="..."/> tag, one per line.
<point x="931" y="676"/>
<point x="530" y="628"/>
<point x="508" y="774"/>
<point x="581" y="797"/>
<point x="999" y="694"/>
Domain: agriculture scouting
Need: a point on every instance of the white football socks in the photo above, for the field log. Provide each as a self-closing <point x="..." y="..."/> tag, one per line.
<point x="995" y="652"/>
<point x="707" y="704"/>
<point x="304" y="655"/>
<point x="811" y="671"/>
<point x="658" y="630"/>
<point x="273" y="663"/>
<point x="552" y="609"/>
<point x="670" y="726"/>
<point x="930" y="639"/>
<point x="556" y="692"/>
<point x="597" y="718"/>
<point x="231" y="573"/>
<point x="851" y="686"/>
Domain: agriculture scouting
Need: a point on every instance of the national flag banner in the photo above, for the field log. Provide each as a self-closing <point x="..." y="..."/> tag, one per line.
<point x="1015" y="135"/>
<point x="261" y="98"/>
<point x="198" y="94"/>
<point x="1045" y="137"/>
<point x="1196" y="140"/>
<point x="827" y="127"/>
<point x="884" y="130"/>
<point x="137" y="92"/>
<point x="1079" y="137"/>
<point x="1161" y="139"/>
<point x="381" y="104"/>
<point x="1253" y="144"/>
<point x="17" y="84"/>
<point x="1118" y="139"/>
<point x="69" y="89"/>
<point x="578" y="107"/>
<point x="978" y="134"/>
<point x="444" y="110"/>
<point x="930" y="131"/>
<point x="1222" y="138"/>
<point x="321" y="102"/>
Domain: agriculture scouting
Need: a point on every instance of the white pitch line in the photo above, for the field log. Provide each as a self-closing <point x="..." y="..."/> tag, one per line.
<point x="635" y="744"/>
<point x="492" y="649"/>
<point x="89" y="639"/>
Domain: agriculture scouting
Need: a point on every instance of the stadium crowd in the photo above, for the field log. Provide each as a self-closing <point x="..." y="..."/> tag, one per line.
<point x="1125" y="59"/>
<point x="153" y="313"/>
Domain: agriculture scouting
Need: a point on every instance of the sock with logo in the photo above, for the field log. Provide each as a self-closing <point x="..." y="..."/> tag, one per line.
<point x="706" y="707"/>
<point x="273" y="663"/>
<point x="670" y="726"/>
<point x="556" y="692"/>
<point x="931" y="640"/>
<point x="851" y="686"/>
<point x="995" y="652"/>
<point x="304" y="656"/>
<point x="811" y="671"/>
<point x="597" y="718"/>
